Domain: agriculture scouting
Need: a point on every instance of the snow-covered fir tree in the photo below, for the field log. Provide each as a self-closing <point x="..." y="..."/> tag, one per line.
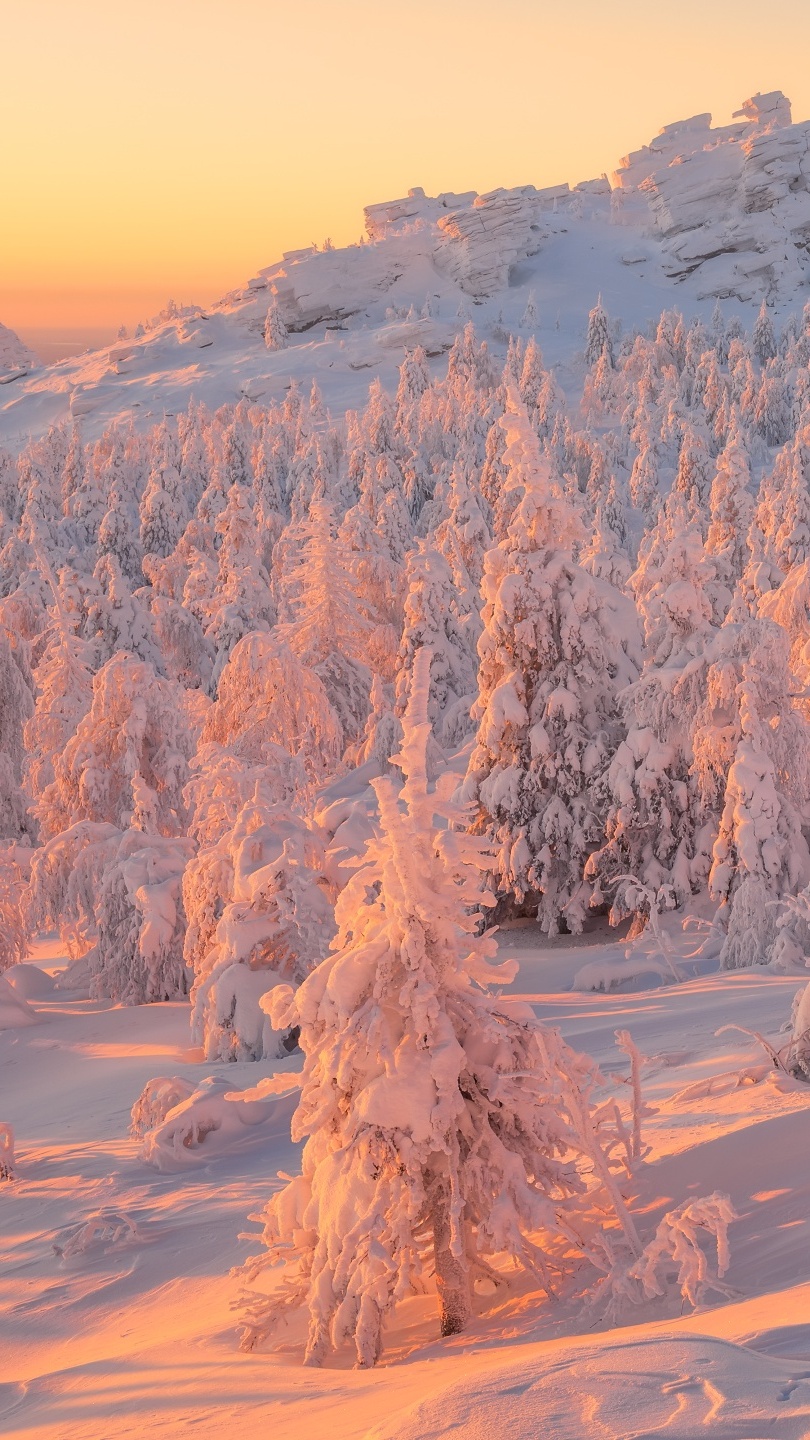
<point x="275" y="330"/>
<point x="551" y="662"/>
<point x="440" y="1131"/>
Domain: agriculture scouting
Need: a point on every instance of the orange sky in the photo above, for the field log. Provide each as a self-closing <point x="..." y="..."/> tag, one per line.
<point x="156" y="148"/>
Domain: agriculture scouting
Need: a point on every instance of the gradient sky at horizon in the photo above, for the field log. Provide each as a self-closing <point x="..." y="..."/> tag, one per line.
<point x="157" y="148"/>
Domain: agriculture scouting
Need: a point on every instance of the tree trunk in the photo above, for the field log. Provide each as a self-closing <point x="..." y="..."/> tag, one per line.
<point x="452" y="1276"/>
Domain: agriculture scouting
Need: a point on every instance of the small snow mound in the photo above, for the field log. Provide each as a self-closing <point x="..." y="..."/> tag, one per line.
<point x="29" y="982"/>
<point x="159" y="1095"/>
<point x="215" y="1120"/>
<point x="606" y="974"/>
<point x="15" y="1012"/>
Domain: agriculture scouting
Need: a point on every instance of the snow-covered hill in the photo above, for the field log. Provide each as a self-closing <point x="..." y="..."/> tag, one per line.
<point x="698" y="213"/>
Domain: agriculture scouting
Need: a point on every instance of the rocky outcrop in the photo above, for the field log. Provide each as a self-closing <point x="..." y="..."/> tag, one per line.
<point x="733" y="202"/>
<point x="16" y="359"/>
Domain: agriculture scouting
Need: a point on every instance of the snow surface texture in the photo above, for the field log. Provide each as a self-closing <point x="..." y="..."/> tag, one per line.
<point x="699" y="212"/>
<point x="115" y="1290"/>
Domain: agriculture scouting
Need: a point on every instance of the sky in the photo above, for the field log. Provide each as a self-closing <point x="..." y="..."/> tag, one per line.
<point x="169" y="148"/>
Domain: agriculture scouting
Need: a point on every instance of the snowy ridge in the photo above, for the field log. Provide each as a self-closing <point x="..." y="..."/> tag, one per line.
<point x="709" y="211"/>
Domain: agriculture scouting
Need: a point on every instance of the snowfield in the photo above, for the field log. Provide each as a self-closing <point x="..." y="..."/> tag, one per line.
<point x="116" y="1287"/>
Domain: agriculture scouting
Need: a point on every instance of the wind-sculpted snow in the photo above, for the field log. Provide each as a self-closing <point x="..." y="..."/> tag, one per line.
<point x="681" y="1387"/>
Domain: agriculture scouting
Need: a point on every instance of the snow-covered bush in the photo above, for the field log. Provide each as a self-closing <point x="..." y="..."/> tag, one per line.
<point x="66" y="877"/>
<point x="127" y="761"/>
<point x="210" y="1119"/>
<point x="275" y="926"/>
<point x="138" y="957"/>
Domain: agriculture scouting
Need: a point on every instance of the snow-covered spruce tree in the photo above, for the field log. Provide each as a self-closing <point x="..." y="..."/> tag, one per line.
<point x="529" y="319"/>
<point x="16" y="709"/>
<point x="119" y="530"/>
<point x="383" y="732"/>
<point x="116" y="619"/>
<point x="275" y="330"/>
<point x="760" y="853"/>
<point x="73" y="469"/>
<point x="267" y="698"/>
<point x="772" y="411"/>
<point x="439" y="1126"/>
<point x="109" y="872"/>
<point x="242" y="601"/>
<point x="222" y="785"/>
<point x="163" y="509"/>
<point x="13" y="927"/>
<point x="432" y="621"/>
<point x="237" y="446"/>
<point x="64" y="693"/>
<point x="785" y="512"/>
<point x="138" y="957"/>
<point x="329" y="631"/>
<point x="598" y="341"/>
<point x="127" y="757"/>
<point x="655" y="828"/>
<point x="644" y="482"/>
<point x="552" y="658"/>
<point x="693" y="476"/>
<point x="763" y="338"/>
<point x="731" y="508"/>
<point x="604" y="557"/>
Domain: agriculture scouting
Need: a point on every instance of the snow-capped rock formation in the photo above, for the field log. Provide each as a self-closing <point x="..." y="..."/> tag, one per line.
<point x="15" y="357"/>
<point x="732" y="203"/>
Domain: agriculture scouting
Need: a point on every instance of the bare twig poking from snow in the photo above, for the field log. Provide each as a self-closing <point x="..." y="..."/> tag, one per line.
<point x="100" y="1234"/>
<point x="625" y="1042"/>
<point x="774" y="1055"/>
<point x="664" y="943"/>
<point x="7" y="1171"/>
<point x="677" y="1238"/>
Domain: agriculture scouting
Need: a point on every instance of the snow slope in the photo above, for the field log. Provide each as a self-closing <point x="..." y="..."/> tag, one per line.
<point x="700" y="212"/>
<point x="114" y="1290"/>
